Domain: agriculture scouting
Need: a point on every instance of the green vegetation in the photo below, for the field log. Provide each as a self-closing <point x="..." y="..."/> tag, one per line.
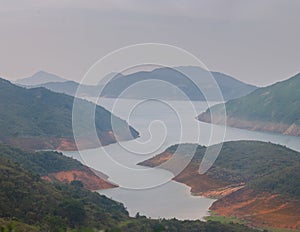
<point x="42" y="162"/>
<point x="26" y="197"/>
<point x="173" y="225"/>
<point x="278" y="103"/>
<point x="257" y="182"/>
<point x="41" y="113"/>
<point x="28" y="203"/>
<point x="224" y="220"/>
<point x="285" y="181"/>
<point x="263" y="166"/>
<point x="253" y="161"/>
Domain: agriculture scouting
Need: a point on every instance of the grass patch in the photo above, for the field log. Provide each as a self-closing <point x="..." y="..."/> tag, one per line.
<point x="222" y="219"/>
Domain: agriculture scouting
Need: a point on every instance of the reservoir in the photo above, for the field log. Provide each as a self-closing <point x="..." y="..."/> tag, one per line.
<point x="151" y="191"/>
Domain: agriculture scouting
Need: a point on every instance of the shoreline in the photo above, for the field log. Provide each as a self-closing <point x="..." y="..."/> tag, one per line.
<point x="261" y="126"/>
<point x="258" y="208"/>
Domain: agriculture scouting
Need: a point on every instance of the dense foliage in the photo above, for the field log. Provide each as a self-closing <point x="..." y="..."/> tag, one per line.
<point x="42" y="162"/>
<point x="40" y="112"/>
<point x="28" y="203"/>
<point x="261" y="165"/>
<point x="26" y="197"/>
<point x="278" y="103"/>
<point x="285" y="181"/>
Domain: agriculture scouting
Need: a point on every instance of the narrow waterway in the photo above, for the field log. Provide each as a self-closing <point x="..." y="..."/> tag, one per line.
<point x="150" y="191"/>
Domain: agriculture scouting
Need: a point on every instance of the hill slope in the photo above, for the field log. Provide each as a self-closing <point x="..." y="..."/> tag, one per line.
<point x="40" y="119"/>
<point x="27" y="203"/>
<point x="25" y="197"/>
<point x="275" y="108"/>
<point x="230" y="87"/>
<point x="69" y="87"/>
<point x="256" y="181"/>
<point x="53" y="166"/>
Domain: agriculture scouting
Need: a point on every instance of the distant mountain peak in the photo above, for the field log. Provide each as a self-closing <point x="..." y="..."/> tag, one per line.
<point x="40" y="77"/>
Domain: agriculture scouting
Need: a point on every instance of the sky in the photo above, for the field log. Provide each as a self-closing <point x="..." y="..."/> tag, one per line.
<point x="254" y="41"/>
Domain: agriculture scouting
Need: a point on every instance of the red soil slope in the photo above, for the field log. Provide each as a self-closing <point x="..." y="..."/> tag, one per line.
<point x="90" y="180"/>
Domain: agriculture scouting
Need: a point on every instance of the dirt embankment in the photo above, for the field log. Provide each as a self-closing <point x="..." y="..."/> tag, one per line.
<point x="260" y="208"/>
<point x="202" y="185"/>
<point x="89" y="179"/>
<point x="293" y="130"/>
<point x="61" y="144"/>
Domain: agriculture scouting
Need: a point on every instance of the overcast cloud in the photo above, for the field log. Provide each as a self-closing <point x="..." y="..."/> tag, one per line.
<point x="255" y="41"/>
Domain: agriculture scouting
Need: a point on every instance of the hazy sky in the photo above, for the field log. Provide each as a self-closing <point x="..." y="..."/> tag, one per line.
<point x="256" y="41"/>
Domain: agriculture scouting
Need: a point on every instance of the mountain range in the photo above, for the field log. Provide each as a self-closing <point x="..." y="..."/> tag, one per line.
<point x="169" y="84"/>
<point x="275" y="108"/>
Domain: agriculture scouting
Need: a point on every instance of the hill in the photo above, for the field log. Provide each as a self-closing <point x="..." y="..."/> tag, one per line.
<point x="40" y="77"/>
<point x="28" y="203"/>
<point x="69" y="87"/>
<point x="230" y="87"/>
<point x="26" y="198"/>
<point x="40" y="119"/>
<point x="255" y="181"/>
<point x="275" y="108"/>
<point x="53" y="166"/>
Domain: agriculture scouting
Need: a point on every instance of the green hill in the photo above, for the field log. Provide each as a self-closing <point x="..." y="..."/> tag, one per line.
<point x="254" y="181"/>
<point x="25" y="197"/>
<point x="27" y="203"/>
<point x="55" y="167"/>
<point x="275" y="108"/>
<point x="43" y="162"/>
<point x="251" y="162"/>
<point x="40" y="119"/>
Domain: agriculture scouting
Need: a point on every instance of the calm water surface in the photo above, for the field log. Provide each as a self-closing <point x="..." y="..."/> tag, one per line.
<point x="149" y="191"/>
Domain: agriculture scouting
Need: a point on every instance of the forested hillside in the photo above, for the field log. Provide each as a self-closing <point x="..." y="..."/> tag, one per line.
<point x="41" y="119"/>
<point x="255" y="181"/>
<point x="28" y="203"/>
<point x="275" y="108"/>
